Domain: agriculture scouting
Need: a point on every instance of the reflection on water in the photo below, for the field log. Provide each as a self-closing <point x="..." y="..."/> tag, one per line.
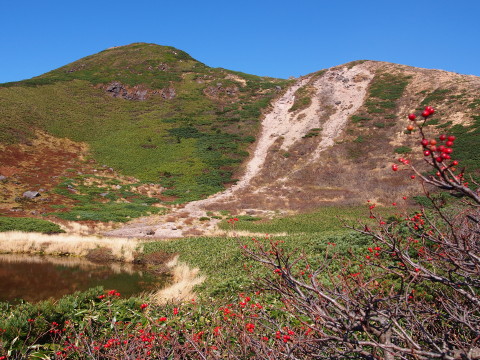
<point x="34" y="278"/>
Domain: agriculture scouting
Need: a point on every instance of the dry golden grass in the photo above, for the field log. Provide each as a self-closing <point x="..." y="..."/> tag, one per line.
<point x="184" y="280"/>
<point x="21" y="242"/>
<point x="76" y="228"/>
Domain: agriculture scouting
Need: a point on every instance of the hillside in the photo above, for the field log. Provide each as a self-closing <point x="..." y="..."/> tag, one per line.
<point x="333" y="140"/>
<point x="149" y="112"/>
<point x="146" y="114"/>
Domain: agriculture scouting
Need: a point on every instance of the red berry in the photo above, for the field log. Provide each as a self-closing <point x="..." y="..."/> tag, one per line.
<point x="426" y="153"/>
<point x="445" y="156"/>
<point x="433" y="148"/>
<point x="412" y="116"/>
<point x="449" y="143"/>
<point x="448" y="150"/>
<point x="394" y="167"/>
<point x="410" y="127"/>
<point x="441" y="148"/>
<point x="451" y="138"/>
<point x="412" y="176"/>
<point x="439" y="159"/>
<point x="430" y="109"/>
<point x="454" y="162"/>
<point x="443" y="137"/>
<point x="425" y="113"/>
<point x="424" y="142"/>
<point x="433" y="142"/>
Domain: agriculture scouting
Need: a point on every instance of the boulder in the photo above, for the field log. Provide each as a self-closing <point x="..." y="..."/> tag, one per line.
<point x="31" y="194"/>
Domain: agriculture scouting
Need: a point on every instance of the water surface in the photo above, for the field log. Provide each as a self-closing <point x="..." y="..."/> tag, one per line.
<point x="34" y="278"/>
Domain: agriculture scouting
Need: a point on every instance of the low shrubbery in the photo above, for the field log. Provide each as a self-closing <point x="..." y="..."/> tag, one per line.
<point x="406" y="286"/>
<point x="28" y="225"/>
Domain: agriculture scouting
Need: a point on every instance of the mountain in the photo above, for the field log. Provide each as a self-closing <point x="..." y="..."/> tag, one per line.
<point x="148" y="111"/>
<point x="333" y="136"/>
<point x="144" y="123"/>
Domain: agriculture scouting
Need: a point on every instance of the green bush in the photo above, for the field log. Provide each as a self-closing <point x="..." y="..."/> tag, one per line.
<point x="28" y="225"/>
<point x="402" y="150"/>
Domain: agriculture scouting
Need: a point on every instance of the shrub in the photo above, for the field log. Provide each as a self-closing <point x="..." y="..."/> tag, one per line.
<point x="29" y="225"/>
<point x="414" y="294"/>
<point x="403" y="150"/>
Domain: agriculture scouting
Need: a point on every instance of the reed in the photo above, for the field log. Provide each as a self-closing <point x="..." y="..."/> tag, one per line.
<point x="35" y="243"/>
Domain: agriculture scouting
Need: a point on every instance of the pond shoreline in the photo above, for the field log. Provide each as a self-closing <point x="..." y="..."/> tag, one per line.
<point x="104" y="251"/>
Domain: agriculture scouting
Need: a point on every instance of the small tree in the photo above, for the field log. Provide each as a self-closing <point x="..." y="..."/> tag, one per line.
<point x="415" y="294"/>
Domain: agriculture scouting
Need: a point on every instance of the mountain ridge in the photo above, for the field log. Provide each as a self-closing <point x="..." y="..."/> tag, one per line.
<point x="345" y="119"/>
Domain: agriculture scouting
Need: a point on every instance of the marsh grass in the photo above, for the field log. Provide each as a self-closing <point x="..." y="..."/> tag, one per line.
<point x="182" y="286"/>
<point x="28" y="243"/>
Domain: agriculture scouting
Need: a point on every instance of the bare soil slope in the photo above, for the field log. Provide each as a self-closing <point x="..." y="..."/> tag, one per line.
<point x="330" y="139"/>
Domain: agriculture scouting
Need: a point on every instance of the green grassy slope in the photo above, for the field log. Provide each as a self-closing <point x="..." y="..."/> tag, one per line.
<point x="192" y="143"/>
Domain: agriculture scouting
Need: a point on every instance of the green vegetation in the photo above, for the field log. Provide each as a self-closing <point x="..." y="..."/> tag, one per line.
<point x="312" y="133"/>
<point x="445" y="125"/>
<point x="144" y="139"/>
<point x="467" y="145"/>
<point x="354" y="63"/>
<point x="102" y="199"/>
<point x="151" y="64"/>
<point x="310" y="233"/>
<point x="225" y="270"/>
<point x="303" y="98"/>
<point x="384" y="91"/>
<point x="402" y="150"/>
<point x="329" y="219"/>
<point x="358" y="119"/>
<point x="28" y="225"/>
<point x="435" y="97"/>
<point x="475" y="104"/>
<point x="116" y="212"/>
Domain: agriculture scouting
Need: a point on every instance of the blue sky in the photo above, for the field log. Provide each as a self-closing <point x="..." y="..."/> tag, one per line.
<point x="263" y="37"/>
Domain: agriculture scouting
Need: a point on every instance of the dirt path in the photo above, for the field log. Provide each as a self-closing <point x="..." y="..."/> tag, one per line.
<point x="338" y="94"/>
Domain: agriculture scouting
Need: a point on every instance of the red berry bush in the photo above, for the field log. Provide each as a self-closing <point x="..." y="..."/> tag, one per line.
<point x="415" y="294"/>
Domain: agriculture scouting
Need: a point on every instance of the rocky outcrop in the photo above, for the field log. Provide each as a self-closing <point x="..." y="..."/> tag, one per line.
<point x="220" y="92"/>
<point x="31" y="194"/>
<point x="167" y="93"/>
<point x="139" y="92"/>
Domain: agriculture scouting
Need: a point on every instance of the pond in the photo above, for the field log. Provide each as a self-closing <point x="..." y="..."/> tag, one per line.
<point x="34" y="278"/>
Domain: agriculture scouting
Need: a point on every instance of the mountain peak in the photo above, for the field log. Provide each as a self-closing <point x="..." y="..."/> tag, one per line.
<point x="138" y="63"/>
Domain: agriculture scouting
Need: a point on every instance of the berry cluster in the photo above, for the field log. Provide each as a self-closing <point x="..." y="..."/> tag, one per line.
<point x="441" y="152"/>
<point x="431" y="148"/>
<point x="437" y="153"/>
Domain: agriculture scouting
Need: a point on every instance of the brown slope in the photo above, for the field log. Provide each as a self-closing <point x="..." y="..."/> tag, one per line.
<point x="331" y="139"/>
<point x="349" y="162"/>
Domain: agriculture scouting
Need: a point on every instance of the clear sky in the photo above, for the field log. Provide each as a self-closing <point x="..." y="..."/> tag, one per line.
<point x="276" y="38"/>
